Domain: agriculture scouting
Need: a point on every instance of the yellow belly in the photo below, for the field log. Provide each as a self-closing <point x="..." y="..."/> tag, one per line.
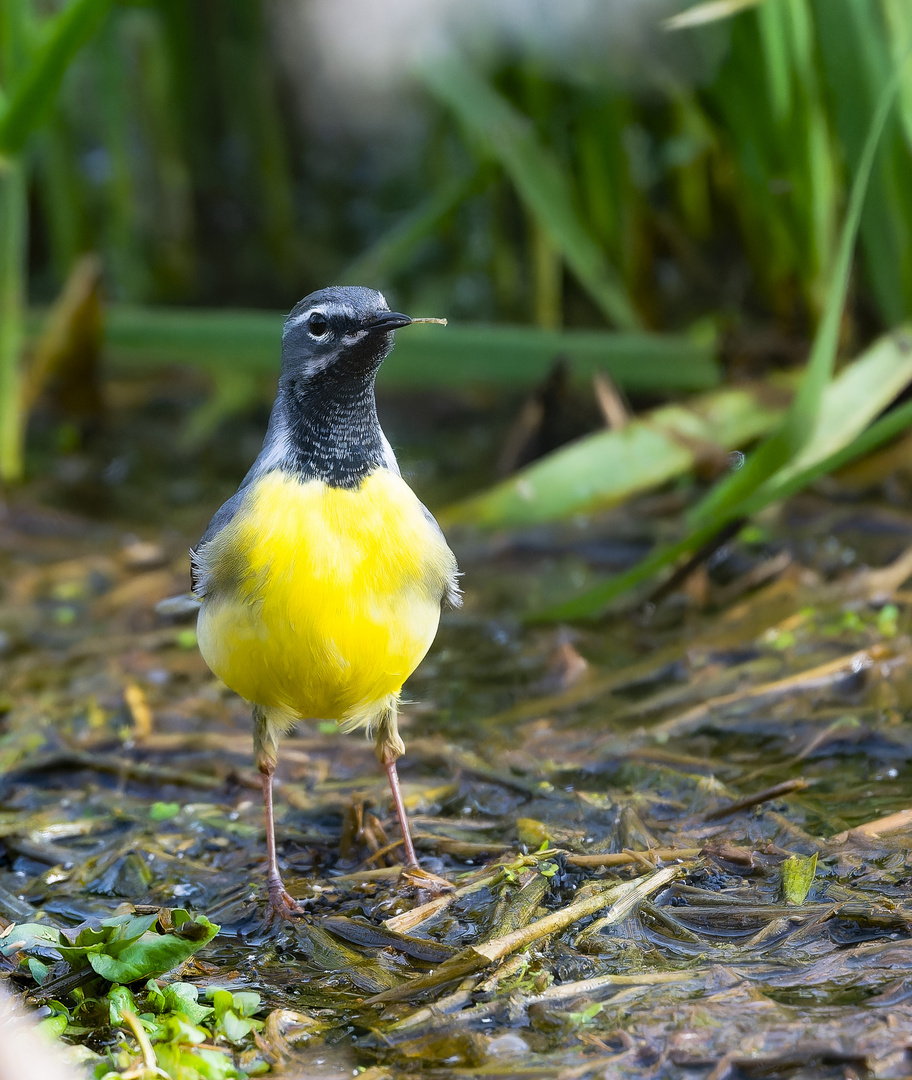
<point x="323" y="600"/>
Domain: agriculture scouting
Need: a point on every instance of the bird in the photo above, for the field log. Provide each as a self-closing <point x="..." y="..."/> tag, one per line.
<point x="321" y="580"/>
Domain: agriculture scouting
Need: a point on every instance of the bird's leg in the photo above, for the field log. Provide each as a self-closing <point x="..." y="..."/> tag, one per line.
<point x="410" y="858"/>
<point x="265" y="744"/>
<point x="389" y="747"/>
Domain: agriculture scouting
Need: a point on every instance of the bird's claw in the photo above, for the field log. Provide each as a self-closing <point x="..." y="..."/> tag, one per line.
<point x="413" y="877"/>
<point x="282" y="903"/>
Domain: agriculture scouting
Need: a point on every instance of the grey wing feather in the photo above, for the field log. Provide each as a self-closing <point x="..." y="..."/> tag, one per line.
<point x="199" y="568"/>
<point x="452" y="593"/>
<point x="268" y="458"/>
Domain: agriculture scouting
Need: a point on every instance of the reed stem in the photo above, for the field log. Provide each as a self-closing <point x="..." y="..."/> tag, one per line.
<point x="13" y="216"/>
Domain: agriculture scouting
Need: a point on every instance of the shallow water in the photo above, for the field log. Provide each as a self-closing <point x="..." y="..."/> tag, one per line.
<point x="738" y="726"/>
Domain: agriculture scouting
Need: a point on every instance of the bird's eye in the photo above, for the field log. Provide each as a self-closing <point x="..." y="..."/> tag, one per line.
<point x="317" y="325"/>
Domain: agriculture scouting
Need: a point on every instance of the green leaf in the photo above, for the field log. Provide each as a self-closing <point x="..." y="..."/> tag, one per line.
<point x="233" y="1027"/>
<point x="112" y="936"/>
<point x="37" y="969"/>
<point x="119" y="999"/>
<point x="608" y="467"/>
<point x="164" y="811"/>
<point x="221" y="999"/>
<point x="895" y="422"/>
<point x="153" y="954"/>
<point x="36" y="87"/>
<point x="212" y="1065"/>
<point x="24" y="937"/>
<point x="797" y="877"/>
<point x="541" y="183"/>
<point x="858" y="394"/>
<point x="183" y="997"/>
<point x="246" y="1002"/>
<point x="53" y="1026"/>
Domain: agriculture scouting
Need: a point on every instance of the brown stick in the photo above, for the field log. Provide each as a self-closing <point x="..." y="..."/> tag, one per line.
<point x="758" y="797"/>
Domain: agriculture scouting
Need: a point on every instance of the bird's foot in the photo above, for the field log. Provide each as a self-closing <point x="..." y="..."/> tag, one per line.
<point x="413" y="877"/>
<point x="282" y="903"/>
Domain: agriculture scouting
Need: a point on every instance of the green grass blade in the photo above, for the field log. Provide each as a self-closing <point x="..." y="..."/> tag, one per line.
<point x="855" y="397"/>
<point x="898" y="18"/>
<point x="459" y="355"/>
<point x="509" y="138"/>
<point x="730" y="498"/>
<point x="774" y="37"/>
<point x="395" y="247"/>
<point x="33" y="92"/>
<point x="722" y="503"/>
<point x="17" y="33"/>
<point x="593" y="602"/>
<point x="858" y="393"/>
<point x="855" y="57"/>
<point x="609" y="467"/>
<point x="896" y="422"/>
<point x="13" y="217"/>
<point x="707" y="12"/>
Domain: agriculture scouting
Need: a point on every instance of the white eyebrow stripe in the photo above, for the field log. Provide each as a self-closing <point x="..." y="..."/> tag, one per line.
<point x="297" y="320"/>
<point x="327" y="310"/>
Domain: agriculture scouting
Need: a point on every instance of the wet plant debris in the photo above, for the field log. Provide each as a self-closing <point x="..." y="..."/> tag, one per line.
<point x="676" y="841"/>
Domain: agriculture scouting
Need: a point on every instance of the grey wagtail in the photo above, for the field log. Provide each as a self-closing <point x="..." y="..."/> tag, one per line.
<point x="321" y="580"/>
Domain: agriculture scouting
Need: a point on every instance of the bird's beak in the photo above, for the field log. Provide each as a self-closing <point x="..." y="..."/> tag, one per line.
<point x="389" y="320"/>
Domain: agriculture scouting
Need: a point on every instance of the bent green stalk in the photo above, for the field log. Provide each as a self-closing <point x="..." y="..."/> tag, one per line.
<point x="13" y="212"/>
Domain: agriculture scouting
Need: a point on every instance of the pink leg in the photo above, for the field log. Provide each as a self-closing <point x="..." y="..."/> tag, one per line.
<point x="410" y="857"/>
<point x="281" y="902"/>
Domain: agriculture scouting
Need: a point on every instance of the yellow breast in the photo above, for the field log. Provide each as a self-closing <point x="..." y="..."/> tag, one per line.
<point x="323" y="600"/>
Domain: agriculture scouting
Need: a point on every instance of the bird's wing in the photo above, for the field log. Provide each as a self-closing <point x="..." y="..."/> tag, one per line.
<point x="452" y="594"/>
<point x="199" y="564"/>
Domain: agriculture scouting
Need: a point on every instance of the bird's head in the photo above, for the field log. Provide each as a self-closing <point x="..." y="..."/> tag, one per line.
<point x="346" y="331"/>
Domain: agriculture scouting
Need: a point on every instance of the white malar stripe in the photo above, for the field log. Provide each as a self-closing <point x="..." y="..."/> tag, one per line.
<point x="350" y="339"/>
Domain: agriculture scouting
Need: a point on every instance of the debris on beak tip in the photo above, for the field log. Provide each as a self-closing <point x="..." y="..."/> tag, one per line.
<point x="442" y="322"/>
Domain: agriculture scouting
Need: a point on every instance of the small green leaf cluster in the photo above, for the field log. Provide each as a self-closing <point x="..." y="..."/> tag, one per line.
<point x="177" y="1034"/>
<point x="189" y="1040"/>
<point x="122" y="949"/>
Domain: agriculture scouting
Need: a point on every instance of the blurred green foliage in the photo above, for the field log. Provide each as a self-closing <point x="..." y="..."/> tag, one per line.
<point x="537" y="189"/>
<point x="621" y="189"/>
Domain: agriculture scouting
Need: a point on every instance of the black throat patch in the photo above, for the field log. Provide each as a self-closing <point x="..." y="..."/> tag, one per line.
<point x="330" y="428"/>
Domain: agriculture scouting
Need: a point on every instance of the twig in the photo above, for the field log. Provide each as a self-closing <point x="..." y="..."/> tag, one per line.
<point x="902" y="819"/>
<point x="625" y="858"/>
<point x="774" y="792"/>
<point x="136" y="770"/>
<point x="814" y="679"/>
<point x="477" y="957"/>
